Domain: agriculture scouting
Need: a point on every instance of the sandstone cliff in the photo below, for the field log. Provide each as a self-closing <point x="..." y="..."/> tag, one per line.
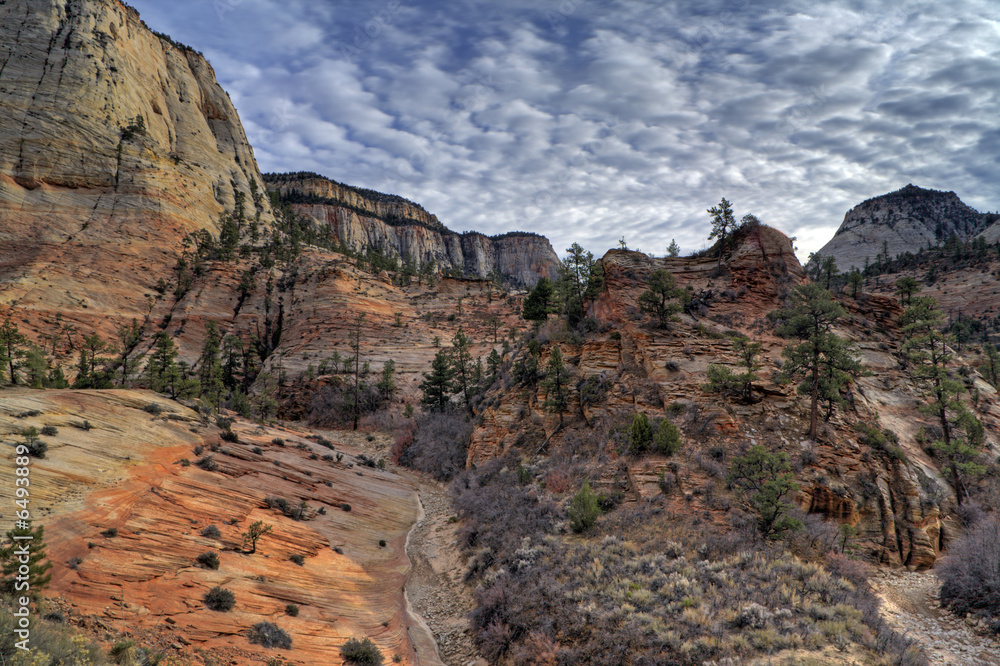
<point x="364" y="219"/>
<point x="902" y="221"/>
<point x="115" y="143"/>
<point x="895" y="497"/>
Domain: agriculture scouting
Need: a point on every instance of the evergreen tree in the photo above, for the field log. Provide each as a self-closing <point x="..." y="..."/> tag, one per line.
<point x="556" y="383"/>
<point x="162" y="372"/>
<point x="673" y="249"/>
<point x="463" y="368"/>
<point x="580" y="280"/>
<point x="855" y="279"/>
<point x="657" y="300"/>
<point x="723" y="380"/>
<point x="129" y="336"/>
<point x="926" y="349"/>
<point x="354" y="341"/>
<point x="991" y="368"/>
<point x="493" y="363"/>
<point x="723" y="222"/>
<point x="538" y="303"/>
<point x="809" y="318"/>
<point x="765" y="480"/>
<point x="209" y="367"/>
<point x="11" y="342"/>
<point x="437" y="386"/>
<point x="36" y="366"/>
<point x="387" y="380"/>
<point x="906" y="287"/>
<point x="829" y="272"/>
<point x="30" y="542"/>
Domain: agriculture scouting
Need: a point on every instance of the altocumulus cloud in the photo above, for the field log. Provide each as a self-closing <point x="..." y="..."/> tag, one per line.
<point x="588" y="121"/>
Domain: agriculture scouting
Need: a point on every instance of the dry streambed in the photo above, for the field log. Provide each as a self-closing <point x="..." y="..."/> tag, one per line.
<point x="910" y="603"/>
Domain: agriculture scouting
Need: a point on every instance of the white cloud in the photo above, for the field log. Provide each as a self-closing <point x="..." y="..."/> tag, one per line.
<point x="585" y="121"/>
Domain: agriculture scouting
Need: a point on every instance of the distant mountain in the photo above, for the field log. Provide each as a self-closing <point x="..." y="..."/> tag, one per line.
<point x="902" y="221"/>
<point x="362" y="220"/>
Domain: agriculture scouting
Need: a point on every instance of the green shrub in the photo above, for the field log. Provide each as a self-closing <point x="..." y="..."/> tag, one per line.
<point x="50" y="431"/>
<point x="584" y="509"/>
<point x="229" y="436"/>
<point x="298" y="559"/>
<point x="292" y="610"/>
<point x="220" y="599"/>
<point x="361" y="652"/>
<point x="212" y="532"/>
<point x="153" y="408"/>
<point x="667" y="438"/>
<point x="640" y="433"/>
<point x="209" y="560"/>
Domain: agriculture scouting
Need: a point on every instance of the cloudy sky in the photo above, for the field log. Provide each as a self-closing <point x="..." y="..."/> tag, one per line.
<point x="593" y="120"/>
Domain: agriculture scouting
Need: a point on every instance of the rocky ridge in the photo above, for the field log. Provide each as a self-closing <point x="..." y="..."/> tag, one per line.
<point x="364" y="220"/>
<point x="899" y="503"/>
<point x="902" y="221"/>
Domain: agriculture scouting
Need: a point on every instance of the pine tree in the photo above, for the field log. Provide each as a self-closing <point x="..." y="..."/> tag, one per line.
<point x="906" y="287"/>
<point x="855" y="279"/>
<point x="809" y="318"/>
<point x="723" y="221"/>
<point x="926" y="349"/>
<point x="538" y="303"/>
<point x="657" y="300"/>
<point x="162" y="372"/>
<point x="36" y="366"/>
<point x="463" y="368"/>
<point x="129" y="336"/>
<point x="673" y="249"/>
<point x="765" y="480"/>
<point x="209" y="367"/>
<point x="556" y="383"/>
<point x="30" y="542"/>
<point x="723" y="380"/>
<point x="11" y="342"/>
<point x="437" y="387"/>
<point x="354" y="341"/>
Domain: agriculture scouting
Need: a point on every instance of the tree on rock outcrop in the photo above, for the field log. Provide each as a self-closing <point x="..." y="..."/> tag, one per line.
<point x="465" y="383"/>
<point x="723" y="380"/>
<point x="723" y="222"/>
<point x="926" y="348"/>
<point x="906" y="287"/>
<point x="580" y="280"/>
<point x="254" y="533"/>
<point x="823" y="359"/>
<point x="658" y="300"/>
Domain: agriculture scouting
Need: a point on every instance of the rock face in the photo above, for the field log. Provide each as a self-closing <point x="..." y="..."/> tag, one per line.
<point x="902" y="221"/>
<point x="364" y="219"/>
<point x="896" y="498"/>
<point x="115" y="143"/>
<point x="130" y="472"/>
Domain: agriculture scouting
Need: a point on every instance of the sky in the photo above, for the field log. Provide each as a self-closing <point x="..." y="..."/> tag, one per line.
<point x="596" y="121"/>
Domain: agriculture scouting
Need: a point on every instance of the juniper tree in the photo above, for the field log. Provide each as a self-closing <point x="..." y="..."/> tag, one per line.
<point x="658" y="300"/>
<point x="926" y="348"/>
<point x="810" y="317"/>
